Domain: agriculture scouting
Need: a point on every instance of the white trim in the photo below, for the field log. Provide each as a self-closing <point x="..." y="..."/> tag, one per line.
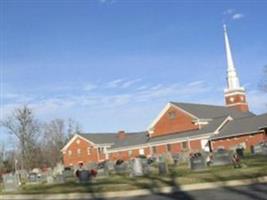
<point x="163" y="111"/>
<point x="159" y="143"/>
<point x="237" y="135"/>
<point x="232" y="93"/>
<point x="236" y="104"/>
<point x="229" y="118"/>
<point x="73" y="139"/>
<point x="154" y="122"/>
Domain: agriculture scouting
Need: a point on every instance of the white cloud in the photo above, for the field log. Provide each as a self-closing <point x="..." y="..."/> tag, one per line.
<point x="89" y="87"/>
<point x="233" y="14"/>
<point x="238" y="16"/>
<point x="130" y="83"/>
<point x="114" y="83"/>
<point x="229" y="11"/>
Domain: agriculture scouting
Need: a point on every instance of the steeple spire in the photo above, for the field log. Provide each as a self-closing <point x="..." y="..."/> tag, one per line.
<point x="232" y="78"/>
<point x="235" y="95"/>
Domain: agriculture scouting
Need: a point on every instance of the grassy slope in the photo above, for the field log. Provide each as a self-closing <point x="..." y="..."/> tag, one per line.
<point x="253" y="166"/>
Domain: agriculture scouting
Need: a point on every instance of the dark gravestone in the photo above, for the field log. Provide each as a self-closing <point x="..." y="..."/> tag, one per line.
<point x="84" y="176"/>
<point x="146" y="167"/>
<point x="240" y="152"/>
<point x="176" y="158"/>
<point x="163" y="168"/>
<point x="32" y="178"/>
<point x="11" y="182"/>
<point x="221" y="157"/>
<point x="121" y="167"/>
<point x="197" y="163"/>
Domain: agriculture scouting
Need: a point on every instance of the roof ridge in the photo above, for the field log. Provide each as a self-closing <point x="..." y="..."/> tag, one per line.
<point x="201" y="104"/>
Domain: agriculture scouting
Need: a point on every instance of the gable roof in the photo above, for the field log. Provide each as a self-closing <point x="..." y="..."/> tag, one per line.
<point x="204" y="111"/>
<point x="242" y="126"/>
<point x="209" y="128"/>
<point x="100" y="138"/>
<point x="132" y="139"/>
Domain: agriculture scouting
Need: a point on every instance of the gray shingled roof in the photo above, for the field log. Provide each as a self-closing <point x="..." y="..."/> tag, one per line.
<point x="203" y="111"/>
<point x="242" y="126"/>
<point x="100" y="138"/>
<point x="132" y="139"/>
<point x="210" y="128"/>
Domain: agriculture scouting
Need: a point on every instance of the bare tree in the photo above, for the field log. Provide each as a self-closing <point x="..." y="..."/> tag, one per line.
<point x="73" y="128"/>
<point x="54" y="136"/>
<point x="25" y="127"/>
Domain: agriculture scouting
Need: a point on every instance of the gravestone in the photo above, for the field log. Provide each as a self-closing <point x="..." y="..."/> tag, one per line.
<point x="175" y="158"/>
<point x="49" y="179"/>
<point x="240" y="152"/>
<point x="197" y="163"/>
<point x="84" y="176"/>
<point x="221" y="157"/>
<point x="121" y="167"/>
<point x="59" y="178"/>
<point x="137" y="167"/>
<point x="163" y="168"/>
<point x="108" y="167"/>
<point x="32" y="177"/>
<point x="260" y="149"/>
<point x="11" y="182"/>
<point x="68" y="174"/>
<point x="146" y="167"/>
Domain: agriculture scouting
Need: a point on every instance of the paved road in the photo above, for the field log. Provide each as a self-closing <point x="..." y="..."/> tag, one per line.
<point x="251" y="192"/>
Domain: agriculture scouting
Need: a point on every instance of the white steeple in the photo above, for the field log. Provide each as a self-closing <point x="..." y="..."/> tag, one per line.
<point x="232" y="78"/>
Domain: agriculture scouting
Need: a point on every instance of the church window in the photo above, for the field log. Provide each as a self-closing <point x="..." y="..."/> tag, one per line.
<point x="78" y="151"/>
<point x="78" y="141"/>
<point x="69" y="152"/>
<point x="172" y="115"/>
<point x="89" y="150"/>
<point x="232" y="99"/>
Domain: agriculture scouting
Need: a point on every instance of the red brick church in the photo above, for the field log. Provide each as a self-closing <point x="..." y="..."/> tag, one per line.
<point x="179" y="127"/>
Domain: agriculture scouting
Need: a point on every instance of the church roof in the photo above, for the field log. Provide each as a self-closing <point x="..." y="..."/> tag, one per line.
<point x="242" y="123"/>
<point x="132" y="139"/>
<point x="242" y="126"/>
<point x="204" y="111"/>
<point x="100" y="138"/>
<point x="210" y="128"/>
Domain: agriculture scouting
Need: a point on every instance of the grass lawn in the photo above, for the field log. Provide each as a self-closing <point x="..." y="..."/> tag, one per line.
<point x="253" y="166"/>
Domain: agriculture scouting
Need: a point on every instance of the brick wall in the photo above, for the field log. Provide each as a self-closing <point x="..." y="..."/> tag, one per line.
<point x="173" y="121"/>
<point x="248" y="140"/>
<point x="195" y="146"/>
<point x="78" y="152"/>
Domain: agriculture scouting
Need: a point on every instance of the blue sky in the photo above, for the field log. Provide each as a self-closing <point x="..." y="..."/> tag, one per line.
<point x="114" y="64"/>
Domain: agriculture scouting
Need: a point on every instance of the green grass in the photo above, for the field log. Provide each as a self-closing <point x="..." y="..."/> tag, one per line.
<point x="253" y="166"/>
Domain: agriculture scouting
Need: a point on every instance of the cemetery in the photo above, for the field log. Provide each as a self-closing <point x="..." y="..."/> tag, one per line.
<point x="137" y="173"/>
